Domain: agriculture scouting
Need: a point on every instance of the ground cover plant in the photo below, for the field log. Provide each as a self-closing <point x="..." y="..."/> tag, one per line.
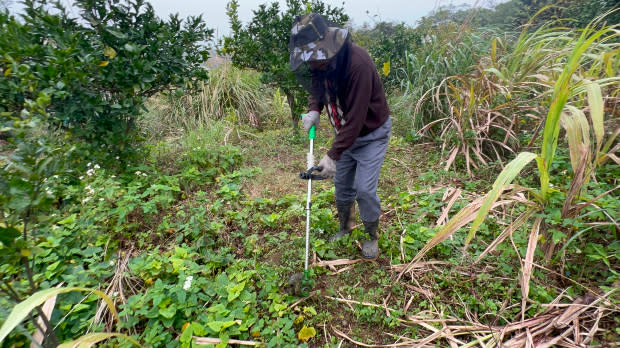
<point x="192" y="242"/>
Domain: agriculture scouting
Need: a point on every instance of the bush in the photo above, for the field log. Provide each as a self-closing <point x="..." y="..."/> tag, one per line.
<point x="90" y="76"/>
<point x="389" y="44"/>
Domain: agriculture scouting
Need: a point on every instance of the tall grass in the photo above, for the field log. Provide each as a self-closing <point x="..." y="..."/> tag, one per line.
<point x="230" y="94"/>
<point x="445" y="51"/>
<point x="481" y="114"/>
<point x="575" y="92"/>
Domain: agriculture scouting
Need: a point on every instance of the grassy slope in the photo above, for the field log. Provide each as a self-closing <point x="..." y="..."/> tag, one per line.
<point x="366" y="301"/>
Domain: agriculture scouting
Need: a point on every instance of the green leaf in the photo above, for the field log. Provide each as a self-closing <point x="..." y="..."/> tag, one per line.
<point x="215" y="325"/>
<point x="168" y="312"/>
<point x="117" y="34"/>
<point x="8" y="234"/>
<point x="511" y="170"/>
<point x="218" y="326"/>
<point x="69" y="219"/>
<point x="22" y="309"/>
<point x="186" y="337"/>
<point x="89" y="340"/>
<point x="235" y="291"/>
<point x="557" y="236"/>
<point x="198" y="329"/>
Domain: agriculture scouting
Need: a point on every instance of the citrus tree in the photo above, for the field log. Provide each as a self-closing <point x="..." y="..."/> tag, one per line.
<point x="262" y="44"/>
<point x="74" y="86"/>
<point x="90" y="76"/>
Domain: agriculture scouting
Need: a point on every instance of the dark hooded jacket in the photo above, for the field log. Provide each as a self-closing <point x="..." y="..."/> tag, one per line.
<point x="353" y="96"/>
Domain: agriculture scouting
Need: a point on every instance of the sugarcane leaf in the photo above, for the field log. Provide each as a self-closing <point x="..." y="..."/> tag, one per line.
<point x="511" y="170"/>
<point x="22" y="309"/>
<point x="595" y="101"/>
<point x="91" y="339"/>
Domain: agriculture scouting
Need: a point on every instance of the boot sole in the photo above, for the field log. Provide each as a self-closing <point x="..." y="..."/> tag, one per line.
<point x="370" y="259"/>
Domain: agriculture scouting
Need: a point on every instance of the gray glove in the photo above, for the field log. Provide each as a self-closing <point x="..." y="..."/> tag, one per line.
<point x="329" y="167"/>
<point x="310" y="119"/>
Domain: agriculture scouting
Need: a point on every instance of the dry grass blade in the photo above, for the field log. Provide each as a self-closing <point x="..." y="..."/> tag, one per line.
<point x="576" y="185"/>
<point x="418" y="265"/>
<point x="121" y="286"/>
<point x="462" y="218"/>
<point x="453" y="195"/>
<point x="572" y="312"/>
<point x="407" y="343"/>
<point x="339" y="262"/>
<point x="210" y="340"/>
<point x="584" y="205"/>
<point x="424" y="292"/>
<point x="528" y="264"/>
<point x="47" y="308"/>
<point x="577" y="133"/>
<point x="513" y="226"/>
<point x="343" y="300"/>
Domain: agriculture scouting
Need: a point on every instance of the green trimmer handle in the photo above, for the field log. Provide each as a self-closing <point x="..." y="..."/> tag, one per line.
<point x="312" y="131"/>
<point x="307" y="284"/>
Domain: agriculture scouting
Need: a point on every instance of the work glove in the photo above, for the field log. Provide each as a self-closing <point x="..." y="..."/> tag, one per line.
<point x="310" y="119"/>
<point x="329" y="167"/>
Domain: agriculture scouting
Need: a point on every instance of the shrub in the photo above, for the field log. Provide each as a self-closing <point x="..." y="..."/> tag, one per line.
<point x="91" y="75"/>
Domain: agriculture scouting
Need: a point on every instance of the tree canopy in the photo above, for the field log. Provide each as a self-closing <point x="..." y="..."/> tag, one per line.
<point x="90" y="76"/>
<point x="262" y="44"/>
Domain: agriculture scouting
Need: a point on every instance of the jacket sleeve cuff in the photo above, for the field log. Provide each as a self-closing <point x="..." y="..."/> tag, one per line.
<point x="334" y="155"/>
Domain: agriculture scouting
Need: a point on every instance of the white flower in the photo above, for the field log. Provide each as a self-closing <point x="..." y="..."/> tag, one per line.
<point x="101" y="199"/>
<point x="188" y="282"/>
<point x="86" y="200"/>
<point x="117" y="157"/>
<point x="90" y="172"/>
<point x="88" y="165"/>
<point x="138" y="172"/>
<point x="113" y="176"/>
<point x="143" y="174"/>
<point x="97" y="166"/>
<point x="81" y="177"/>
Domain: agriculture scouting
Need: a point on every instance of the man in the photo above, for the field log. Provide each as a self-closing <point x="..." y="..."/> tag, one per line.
<point x="341" y="76"/>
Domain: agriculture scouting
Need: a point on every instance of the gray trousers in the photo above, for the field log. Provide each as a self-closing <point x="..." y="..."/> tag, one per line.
<point x="357" y="171"/>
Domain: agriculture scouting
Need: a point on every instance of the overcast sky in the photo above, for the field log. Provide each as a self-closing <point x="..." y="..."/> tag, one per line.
<point x="360" y="11"/>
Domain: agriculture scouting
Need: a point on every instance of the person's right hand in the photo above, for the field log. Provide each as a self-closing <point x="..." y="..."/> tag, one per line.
<point x="310" y="119"/>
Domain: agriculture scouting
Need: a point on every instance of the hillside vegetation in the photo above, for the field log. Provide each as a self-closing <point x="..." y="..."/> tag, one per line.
<point x="146" y="201"/>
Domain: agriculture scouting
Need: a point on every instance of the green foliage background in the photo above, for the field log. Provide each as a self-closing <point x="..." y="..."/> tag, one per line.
<point x="262" y="44"/>
<point x="89" y="77"/>
<point x="195" y="231"/>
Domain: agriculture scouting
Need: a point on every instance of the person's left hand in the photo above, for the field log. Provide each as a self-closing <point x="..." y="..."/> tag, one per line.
<point x="329" y="167"/>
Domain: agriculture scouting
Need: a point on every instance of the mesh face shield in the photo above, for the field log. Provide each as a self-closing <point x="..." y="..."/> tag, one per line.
<point x="314" y="39"/>
<point x="303" y="74"/>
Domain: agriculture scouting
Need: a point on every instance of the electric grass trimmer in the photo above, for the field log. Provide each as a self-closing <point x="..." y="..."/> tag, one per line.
<point x="302" y="283"/>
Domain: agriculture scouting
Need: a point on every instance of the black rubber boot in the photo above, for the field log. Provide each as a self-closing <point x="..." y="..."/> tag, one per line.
<point x="370" y="248"/>
<point x="346" y="215"/>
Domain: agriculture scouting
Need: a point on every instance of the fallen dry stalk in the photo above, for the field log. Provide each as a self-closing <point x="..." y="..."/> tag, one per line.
<point x="210" y="340"/>
<point x="121" y="287"/>
<point x="560" y="325"/>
